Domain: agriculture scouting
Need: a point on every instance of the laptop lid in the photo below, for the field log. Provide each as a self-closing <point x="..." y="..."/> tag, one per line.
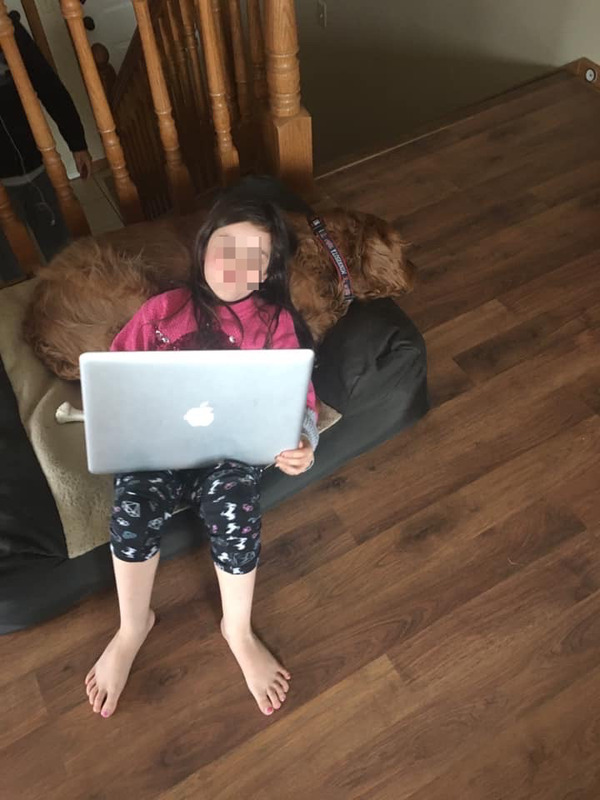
<point x="157" y="410"/>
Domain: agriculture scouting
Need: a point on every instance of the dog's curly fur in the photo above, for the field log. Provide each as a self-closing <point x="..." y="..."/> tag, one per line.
<point x="374" y="253"/>
<point x="92" y="288"/>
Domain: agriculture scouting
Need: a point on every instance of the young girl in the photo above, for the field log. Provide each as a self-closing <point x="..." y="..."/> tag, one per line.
<point x="239" y="298"/>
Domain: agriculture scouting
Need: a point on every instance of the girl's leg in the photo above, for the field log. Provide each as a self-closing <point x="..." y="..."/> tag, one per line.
<point x="229" y="502"/>
<point x="107" y="678"/>
<point x="143" y="501"/>
<point x="266" y="678"/>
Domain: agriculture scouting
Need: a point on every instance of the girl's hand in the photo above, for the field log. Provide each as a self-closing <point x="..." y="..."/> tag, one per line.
<point x="295" y="462"/>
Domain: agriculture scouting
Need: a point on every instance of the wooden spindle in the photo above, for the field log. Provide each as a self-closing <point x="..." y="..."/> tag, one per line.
<point x="180" y="183"/>
<point x="198" y="92"/>
<point x="228" y="155"/>
<point x="127" y="193"/>
<point x="17" y="235"/>
<point x="193" y="59"/>
<point x="154" y="166"/>
<point x="239" y="60"/>
<point x="283" y="69"/>
<point x="170" y="41"/>
<point x="174" y="32"/>
<point x="291" y="139"/>
<point x="69" y="204"/>
<point x="166" y="46"/>
<point x="257" y="53"/>
<point x="196" y="135"/>
<point x="221" y="19"/>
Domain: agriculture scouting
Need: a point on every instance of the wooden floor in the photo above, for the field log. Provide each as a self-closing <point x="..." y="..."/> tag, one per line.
<point x="438" y="600"/>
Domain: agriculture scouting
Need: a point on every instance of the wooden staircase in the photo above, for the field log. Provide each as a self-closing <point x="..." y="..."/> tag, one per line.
<point x="205" y="93"/>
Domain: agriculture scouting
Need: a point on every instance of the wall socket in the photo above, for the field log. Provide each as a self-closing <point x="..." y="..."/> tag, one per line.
<point x="322" y="13"/>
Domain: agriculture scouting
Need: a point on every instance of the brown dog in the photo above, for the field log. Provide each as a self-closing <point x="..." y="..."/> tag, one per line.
<point x="89" y="291"/>
<point x="374" y="253"/>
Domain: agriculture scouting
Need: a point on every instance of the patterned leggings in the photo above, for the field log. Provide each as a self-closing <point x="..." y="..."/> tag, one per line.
<point x="226" y="497"/>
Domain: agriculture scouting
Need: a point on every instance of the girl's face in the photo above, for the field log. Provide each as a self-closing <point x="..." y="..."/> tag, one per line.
<point x="236" y="260"/>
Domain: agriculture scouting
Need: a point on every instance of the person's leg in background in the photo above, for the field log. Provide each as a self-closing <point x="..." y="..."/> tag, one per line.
<point x="228" y="500"/>
<point x="37" y="206"/>
<point x="142" y="504"/>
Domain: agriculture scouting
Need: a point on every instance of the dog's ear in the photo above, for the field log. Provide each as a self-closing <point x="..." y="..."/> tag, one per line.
<point x="385" y="267"/>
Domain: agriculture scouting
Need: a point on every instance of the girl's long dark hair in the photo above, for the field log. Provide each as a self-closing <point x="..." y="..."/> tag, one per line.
<point x="273" y="294"/>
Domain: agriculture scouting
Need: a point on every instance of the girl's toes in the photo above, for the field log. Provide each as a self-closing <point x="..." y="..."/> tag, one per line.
<point x="100" y="697"/>
<point x="283" y="683"/>
<point x="265" y="705"/>
<point x="272" y="695"/>
<point x="108" y="709"/>
<point x="91" y="685"/>
<point x="90" y="675"/>
<point x="92" y="695"/>
<point x="279" y="691"/>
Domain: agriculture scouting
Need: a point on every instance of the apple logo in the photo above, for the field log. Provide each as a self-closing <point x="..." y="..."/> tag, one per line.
<point x="203" y="415"/>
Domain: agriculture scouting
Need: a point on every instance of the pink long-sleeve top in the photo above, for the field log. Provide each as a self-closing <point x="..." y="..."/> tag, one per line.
<point x="167" y="322"/>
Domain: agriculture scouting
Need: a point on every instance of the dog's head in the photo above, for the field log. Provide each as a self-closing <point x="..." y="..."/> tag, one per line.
<point x="375" y="253"/>
<point x="376" y="257"/>
<point x="384" y="270"/>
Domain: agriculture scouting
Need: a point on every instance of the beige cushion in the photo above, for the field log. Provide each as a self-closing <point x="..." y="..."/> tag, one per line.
<point x="83" y="500"/>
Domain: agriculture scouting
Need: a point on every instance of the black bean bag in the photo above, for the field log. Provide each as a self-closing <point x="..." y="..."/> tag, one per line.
<point x="371" y="366"/>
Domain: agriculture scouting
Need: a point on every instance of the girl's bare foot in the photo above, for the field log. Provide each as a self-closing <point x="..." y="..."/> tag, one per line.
<point x="266" y="678"/>
<point x="107" y="678"/>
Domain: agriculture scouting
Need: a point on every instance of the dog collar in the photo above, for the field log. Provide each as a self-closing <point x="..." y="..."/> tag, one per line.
<point x="318" y="228"/>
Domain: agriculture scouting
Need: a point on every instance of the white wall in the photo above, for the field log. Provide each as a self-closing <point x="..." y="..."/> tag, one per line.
<point x="115" y="24"/>
<point x="383" y="67"/>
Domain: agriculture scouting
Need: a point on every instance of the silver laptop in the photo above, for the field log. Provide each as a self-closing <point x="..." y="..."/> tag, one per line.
<point x="184" y="409"/>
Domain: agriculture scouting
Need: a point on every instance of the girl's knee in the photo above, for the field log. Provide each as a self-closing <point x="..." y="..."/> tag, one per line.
<point x="236" y="563"/>
<point x="142" y="551"/>
<point x="143" y="503"/>
<point x="230" y="507"/>
<point x="229" y="482"/>
<point x="154" y="488"/>
<point x="235" y="472"/>
<point x="134" y="533"/>
<point x="241" y="569"/>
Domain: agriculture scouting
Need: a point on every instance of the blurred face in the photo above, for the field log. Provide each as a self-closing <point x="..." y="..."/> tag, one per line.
<point x="236" y="260"/>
